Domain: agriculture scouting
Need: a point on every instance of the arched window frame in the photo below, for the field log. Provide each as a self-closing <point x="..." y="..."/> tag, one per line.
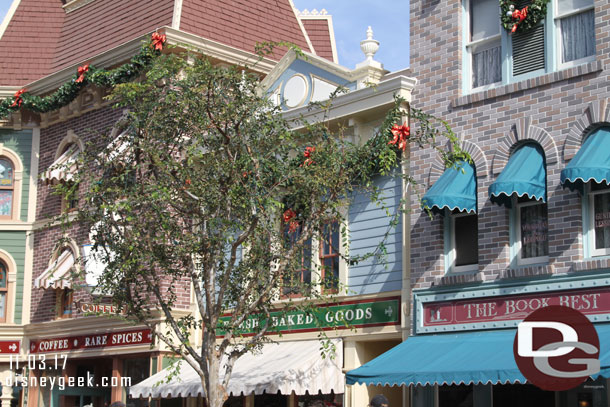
<point x="11" y="279"/>
<point x="17" y="165"/>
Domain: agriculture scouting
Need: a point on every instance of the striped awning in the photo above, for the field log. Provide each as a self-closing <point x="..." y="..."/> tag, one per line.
<point x="455" y="189"/>
<point x="524" y="175"/>
<point x="285" y="367"/>
<point x="57" y="275"/>
<point x="63" y="168"/>
<point x="591" y="163"/>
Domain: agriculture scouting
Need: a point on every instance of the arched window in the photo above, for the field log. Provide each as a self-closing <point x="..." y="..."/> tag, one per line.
<point x="7" y="186"/>
<point x="3" y="291"/>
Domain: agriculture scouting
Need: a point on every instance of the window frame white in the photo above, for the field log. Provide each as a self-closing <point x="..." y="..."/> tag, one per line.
<point x="450" y="246"/>
<point x="516" y="227"/>
<point x="552" y="48"/>
<point x="590" y="224"/>
<point x="557" y="17"/>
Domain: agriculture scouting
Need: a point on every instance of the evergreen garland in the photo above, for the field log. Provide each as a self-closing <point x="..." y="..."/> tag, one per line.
<point x="536" y="11"/>
<point x="91" y="75"/>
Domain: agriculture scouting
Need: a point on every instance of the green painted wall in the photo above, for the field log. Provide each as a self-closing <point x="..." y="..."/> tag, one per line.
<point x="14" y="244"/>
<point x="21" y="143"/>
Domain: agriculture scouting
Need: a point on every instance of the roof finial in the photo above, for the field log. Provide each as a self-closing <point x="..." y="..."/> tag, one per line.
<point x="369" y="46"/>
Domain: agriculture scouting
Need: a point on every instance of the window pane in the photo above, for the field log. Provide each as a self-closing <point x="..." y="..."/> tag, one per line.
<point x="6" y="202"/>
<point x="486" y="66"/>
<point x="484" y="19"/>
<point x="2" y="305"/>
<point x="601" y="205"/>
<point x="331" y="272"/>
<point x="6" y="173"/>
<point x="578" y="36"/>
<point x="569" y="5"/>
<point x="2" y="276"/>
<point x="466" y="240"/>
<point x="534" y="231"/>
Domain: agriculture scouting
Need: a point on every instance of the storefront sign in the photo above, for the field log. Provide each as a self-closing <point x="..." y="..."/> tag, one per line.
<point x="352" y="314"/>
<point x="94" y="341"/>
<point x="8" y="347"/>
<point x="88" y="308"/>
<point x="590" y="301"/>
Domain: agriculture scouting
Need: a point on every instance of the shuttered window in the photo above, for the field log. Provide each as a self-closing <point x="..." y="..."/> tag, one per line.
<point x="495" y="56"/>
<point x="528" y="51"/>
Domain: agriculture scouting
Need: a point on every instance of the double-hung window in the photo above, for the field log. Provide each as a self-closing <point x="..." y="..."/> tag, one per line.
<point x="484" y="47"/>
<point x="493" y="56"/>
<point x="463" y="253"/>
<point x="531" y="231"/>
<point x="575" y="27"/>
<point x="599" y="219"/>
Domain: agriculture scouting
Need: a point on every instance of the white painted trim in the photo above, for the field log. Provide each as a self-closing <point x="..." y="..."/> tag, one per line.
<point x="9" y="15"/>
<point x="303" y="30"/>
<point x="34" y="161"/>
<point x="355" y="102"/>
<point x="590" y="225"/>
<point x="126" y="50"/>
<point x="28" y="266"/>
<point x="75" y="5"/>
<point x="177" y="14"/>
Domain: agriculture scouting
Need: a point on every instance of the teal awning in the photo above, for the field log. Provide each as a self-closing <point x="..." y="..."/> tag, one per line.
<point x="455" y="189"/>
<point x="591" y="163"/>
<point x="455" y="358"/>
<point x="524" y="175"/>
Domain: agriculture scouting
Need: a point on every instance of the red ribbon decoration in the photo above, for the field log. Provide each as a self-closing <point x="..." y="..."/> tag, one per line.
<point x="518" y="15"/>
<point x="401" y="135"/>
<point x="308" y="152"/>
<point x="18" y="100"/>
<point x="157" y="41"/>
<point x="81" y="73"/>
<point x="288" y="217"/>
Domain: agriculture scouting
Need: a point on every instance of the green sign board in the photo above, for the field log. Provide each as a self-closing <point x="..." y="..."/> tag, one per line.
<point x="374" y="312"/>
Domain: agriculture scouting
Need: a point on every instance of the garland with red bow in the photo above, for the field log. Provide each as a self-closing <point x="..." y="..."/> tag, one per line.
<point x="524" y="19"/>
<point x="85" y="75"/>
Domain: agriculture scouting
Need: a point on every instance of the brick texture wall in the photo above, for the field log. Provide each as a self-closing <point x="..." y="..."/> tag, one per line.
<point x="554" y="109"/>
<point x="86" y="127"/>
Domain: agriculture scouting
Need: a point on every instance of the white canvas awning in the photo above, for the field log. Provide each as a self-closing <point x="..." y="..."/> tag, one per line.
<point x="57" y="275"/>
<point x="285" y="367"/>
<point x="63" y="168"/>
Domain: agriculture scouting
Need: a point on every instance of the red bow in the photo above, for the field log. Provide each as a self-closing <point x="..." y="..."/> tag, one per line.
<point x="157" y="41"/>
<point x="289" y="214"/>
<point x="18" y="100"/>
<point x="518" y="15"/>
<point x="288" y="217"/>
<point x="401" y="134"/>
<point x="308" y="152"/>
<point x="81" y="73"/>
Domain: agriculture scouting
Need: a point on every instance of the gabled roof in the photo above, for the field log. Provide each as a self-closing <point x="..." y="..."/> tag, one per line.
<point x="242" y="24"/>
<point x="27" y="46"/>
<point x="44" y="36"/>
<point x="319" y="27"/>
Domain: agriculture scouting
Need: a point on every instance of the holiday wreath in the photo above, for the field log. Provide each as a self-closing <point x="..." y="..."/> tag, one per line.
<point x="521" y="20"/>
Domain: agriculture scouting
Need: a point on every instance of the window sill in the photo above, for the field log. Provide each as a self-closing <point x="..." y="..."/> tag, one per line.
<point x="528" y="271"/>
<point x="456" y="279"/>
<point x="594" y="263"/>
<point x="546" y="79"/>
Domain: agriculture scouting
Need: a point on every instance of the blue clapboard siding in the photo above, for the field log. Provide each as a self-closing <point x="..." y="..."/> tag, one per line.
<point x="368" y="224"/>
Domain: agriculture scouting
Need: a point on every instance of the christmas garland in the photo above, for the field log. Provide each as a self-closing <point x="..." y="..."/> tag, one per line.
<point x="84" y="76"/>
<point x="515" y="20"/>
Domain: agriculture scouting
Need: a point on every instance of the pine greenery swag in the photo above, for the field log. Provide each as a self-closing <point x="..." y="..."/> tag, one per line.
<point x="536" y="11"/>
<point x="86" y="75"/>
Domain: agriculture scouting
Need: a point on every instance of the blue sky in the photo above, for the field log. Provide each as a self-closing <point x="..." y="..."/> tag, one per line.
<point x="388" y="18"/>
